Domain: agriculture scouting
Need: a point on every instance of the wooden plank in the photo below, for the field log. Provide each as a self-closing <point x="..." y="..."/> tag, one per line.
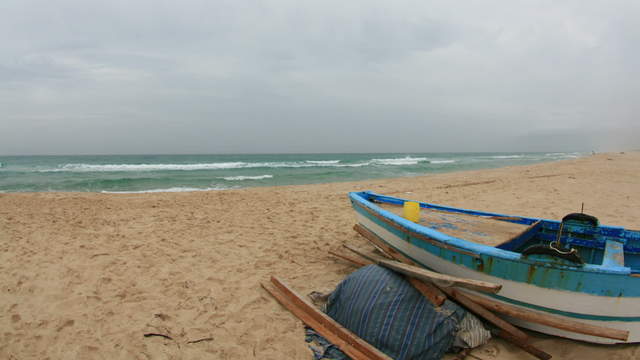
<point x="316" y="325"/>
<point x="550" y="320"/>
<point x="350" y="259"/>
<point x="417" y="235"/>
<point x="454" y="294"/>
<point x="523" y="345"/>
<point x="433" y="294"/>
<point x="331" y="325"/>
<point x="485" y="314"/>
<point x="375" y="240"/>
<point x="440" y="280"/>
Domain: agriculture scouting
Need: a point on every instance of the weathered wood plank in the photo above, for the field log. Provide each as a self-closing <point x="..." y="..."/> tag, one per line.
<point x="440" y="280"/>
<point x="330" y="324"/>
<point x="523" y="345"/>
<point x="350" y="259"/>
<point x="433" y="294"/>
<point x="301" y="314"/>
<point x="373" y="239"/>
<point x="549" y="320"/>
<point x="485" y="314"/>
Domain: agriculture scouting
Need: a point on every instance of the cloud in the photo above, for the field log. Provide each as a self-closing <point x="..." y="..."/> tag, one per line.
<point x="291" y="76"/>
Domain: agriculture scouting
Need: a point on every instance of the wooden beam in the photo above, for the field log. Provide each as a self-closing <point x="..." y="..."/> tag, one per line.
<point x="485" y="314"/>
<point x="327" y="322"/>
<point x="373" y="239"/>
<point x="549" y="320"/>
<point x="316" y="325"/>
<point x="440" y="280"/>
<point x="350" y="259"/>
<point x="523" y="345"/>
<point x="433" y="294"/>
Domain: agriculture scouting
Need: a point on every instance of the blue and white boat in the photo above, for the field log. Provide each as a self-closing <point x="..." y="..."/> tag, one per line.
<point x="573" y="269"/>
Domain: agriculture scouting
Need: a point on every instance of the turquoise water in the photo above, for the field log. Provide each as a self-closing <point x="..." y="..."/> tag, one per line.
<point x="155" y="173"/>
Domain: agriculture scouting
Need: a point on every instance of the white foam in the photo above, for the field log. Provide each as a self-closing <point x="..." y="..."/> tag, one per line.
<point x="78" y="167"/>
<point x="149" y="167"/>
<point x="173" y="189"/>
<point x="323" y="162"/>
<point x="507" y="156"/>
<point x="178" y="167"/>
<point x="240" y="178"/>
<point x="441" y="161"/>
<point x="399" y="161"/>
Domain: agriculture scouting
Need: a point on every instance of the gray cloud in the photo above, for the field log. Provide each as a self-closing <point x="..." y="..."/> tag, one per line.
<point x="290" y="76"/>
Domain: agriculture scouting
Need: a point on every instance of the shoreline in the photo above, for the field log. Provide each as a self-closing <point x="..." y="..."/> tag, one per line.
<point x="87" y="274"/>
<point x="183" y="174"/>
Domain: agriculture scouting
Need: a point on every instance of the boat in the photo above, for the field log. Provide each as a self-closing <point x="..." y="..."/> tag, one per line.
<point x="572" y="269"/>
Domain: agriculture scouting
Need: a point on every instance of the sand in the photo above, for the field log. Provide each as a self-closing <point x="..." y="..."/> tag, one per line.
<point x="86" y="275"/>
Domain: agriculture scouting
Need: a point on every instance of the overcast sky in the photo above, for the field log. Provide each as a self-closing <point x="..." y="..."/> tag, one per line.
<point x="87" y="77"/>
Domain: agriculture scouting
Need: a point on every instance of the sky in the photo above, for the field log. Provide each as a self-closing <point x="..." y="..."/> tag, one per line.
<point x="138" y="76"/>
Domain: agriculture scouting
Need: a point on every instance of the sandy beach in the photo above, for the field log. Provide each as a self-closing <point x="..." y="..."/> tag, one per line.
<point x="86" y="275"/>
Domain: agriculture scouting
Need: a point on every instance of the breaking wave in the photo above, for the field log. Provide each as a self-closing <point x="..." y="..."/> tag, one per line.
<point x="240" y="178"/>
<point x="399" y="161"/>
<point x="441" y="161"/>
<point x="323" y="162"/>
<point x="507" y="156"/>
<point x="230" y="165"/>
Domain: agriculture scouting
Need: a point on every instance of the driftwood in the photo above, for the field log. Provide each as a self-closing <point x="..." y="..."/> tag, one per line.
<point x="464" y="301"/>
<point x="200" y="340"/>
<point x="432" y="293"/>
<point x="550" y="320"/>
<point x="522" y="344"/>
<point x="158" y="335"/>
<point x="440" y="280"/>
<point x="350" y="259"/>
<point x="343" y="338"/>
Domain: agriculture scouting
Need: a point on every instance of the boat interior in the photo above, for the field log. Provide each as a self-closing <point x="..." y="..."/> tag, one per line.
<point x="605" y="246"/>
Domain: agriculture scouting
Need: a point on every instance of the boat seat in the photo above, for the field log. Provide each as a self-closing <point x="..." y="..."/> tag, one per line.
<point x="613" y="254"/>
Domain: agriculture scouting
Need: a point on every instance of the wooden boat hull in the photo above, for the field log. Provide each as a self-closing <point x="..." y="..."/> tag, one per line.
<point x="603" y="297"/>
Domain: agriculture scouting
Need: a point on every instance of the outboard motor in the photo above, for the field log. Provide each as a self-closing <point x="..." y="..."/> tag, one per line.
<point x="556" y="248"/>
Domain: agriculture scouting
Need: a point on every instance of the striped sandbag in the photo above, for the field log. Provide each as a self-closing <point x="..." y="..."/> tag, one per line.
<point x="382" y="308"/>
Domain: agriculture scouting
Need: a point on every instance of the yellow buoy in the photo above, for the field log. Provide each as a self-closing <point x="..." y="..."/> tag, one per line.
<point x="411" y="211"/>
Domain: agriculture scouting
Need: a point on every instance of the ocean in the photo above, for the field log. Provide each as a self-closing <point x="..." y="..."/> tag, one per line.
<point x="173" y="173"/>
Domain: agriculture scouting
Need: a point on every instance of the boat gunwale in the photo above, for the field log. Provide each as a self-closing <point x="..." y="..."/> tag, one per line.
<point x="466" y="247"/>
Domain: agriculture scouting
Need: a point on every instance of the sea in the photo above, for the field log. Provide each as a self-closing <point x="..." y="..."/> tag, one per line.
<point x="178" y="173"/>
